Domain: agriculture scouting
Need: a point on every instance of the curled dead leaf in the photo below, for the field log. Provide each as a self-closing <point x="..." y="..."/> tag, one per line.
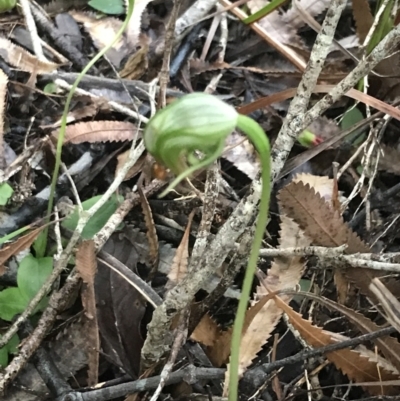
<point x="98" y="131"/>
<point x="358" y="367"/>
<point x="23" y="60"/>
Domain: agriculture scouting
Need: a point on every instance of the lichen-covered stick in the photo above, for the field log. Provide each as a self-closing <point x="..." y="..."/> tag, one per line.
<point x="190" y="134"/>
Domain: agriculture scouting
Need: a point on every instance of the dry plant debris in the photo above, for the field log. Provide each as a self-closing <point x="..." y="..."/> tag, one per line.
<point x="131" y="288"/>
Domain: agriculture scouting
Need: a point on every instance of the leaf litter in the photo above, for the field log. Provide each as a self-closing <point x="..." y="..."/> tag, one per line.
<point x="105" y="319"/>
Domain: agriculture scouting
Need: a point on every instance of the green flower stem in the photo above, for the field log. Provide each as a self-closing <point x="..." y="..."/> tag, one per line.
<point x="60" y="141"/>
<point x="260" y="141"/>
<point x="201" y="122"/>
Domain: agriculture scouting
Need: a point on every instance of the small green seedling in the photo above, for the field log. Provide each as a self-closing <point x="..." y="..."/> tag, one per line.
<point x="199" y="122"/>
<point x="6" y="192"/>
<point x="10" y="348"/>
<point x="50" y="88"/>
<point x="7" y="5"/>
<point x="32" y="273"/>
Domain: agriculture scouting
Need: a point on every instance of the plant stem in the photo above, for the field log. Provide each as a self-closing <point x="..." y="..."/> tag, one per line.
<point x="60" y="141"/>
<point x="261" y="143"/>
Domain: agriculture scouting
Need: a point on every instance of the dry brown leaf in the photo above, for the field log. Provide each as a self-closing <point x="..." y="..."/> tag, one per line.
<point x="198" y="66"/>
<point x="388" y="345"/>
<point x="23" y="60"/>
<point x="372" y="356"/>
<point x="102" y="31"/>
<point x="388" y="302"/>
<point x="276" y="384"/>
<point x="221" y="348"/>
<point x="283" y="28"/>
<point x="273" y="24"/>
<point x="322" y="224"/>
<point x="326" y="228"/>
<point x="219" y="352"/>
<point x="134" y="170"/>
<point x="98" y="131"/>
<point x="19" y="245"/>
<point x="151" y="232"/>
<point x="86" y="261"/>
<point x="352" y="93"/>
<point x="325" y="186"/>
<point x="321" y="184"/>
<point x="390" y="160"/>
<point x="86" y="265"/>
<point x="137" y="64"/>
<point x="342" y="287"/>
<point x="350" y="362"/>
<point x="312" y="7"/>
<point x="206" y="332"/>
<point x="363" y="18"/>
<point x="81" y="112"/>
<point x="285" y="272"/>
<point x="180" y="262"/>
<point x="121" y="336"/>
<point x="381" y="362"/>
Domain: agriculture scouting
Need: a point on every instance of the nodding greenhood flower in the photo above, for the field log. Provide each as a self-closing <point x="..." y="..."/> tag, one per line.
<point x="201" y="122"/>
<point x="197" y="122"/>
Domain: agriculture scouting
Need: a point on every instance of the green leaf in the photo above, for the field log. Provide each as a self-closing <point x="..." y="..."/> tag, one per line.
<point x="5" y="193"/>
<point x="114" y="7"/>
<point x="42" y="305"/>
<point x="32" y="273"/>
<point x="10" y="348"/>
<point x="350" y="118"/>
<point x="7" y="5"/>
<point x="50" y="88"/>
<point x="12" y="345"/>
<point x="40" y="244"/>
<point x="12" y="302"/>
<point x="3" y="357"/>
<point x="100" y="218"/>
<point x="385" y="24"/>
<point x="305" y="286"/>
